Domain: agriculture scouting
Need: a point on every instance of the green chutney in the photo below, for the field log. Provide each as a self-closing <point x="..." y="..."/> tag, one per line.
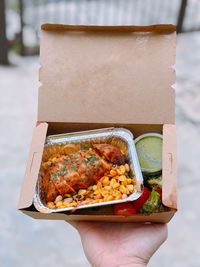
<point x="149" y="150"/>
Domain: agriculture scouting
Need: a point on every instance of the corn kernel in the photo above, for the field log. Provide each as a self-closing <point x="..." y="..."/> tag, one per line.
<point x="116" y="185"/>
<point x="73" y="204"/>
<point x="108" y="187"/>
<point x="113" y="173"/>
<point x="82" y="192"/>
<point x="108" y="198"/>
<point x="51" y="205"/>
<point x="94" y="187"/>
<point x="129" y="180"/>
<point x="112" y="182"/>
<point x="104" y="193"/>
<point x="91" y="195"/>
<point x="130" y="188"/>
<point x="63" y="206"/>
<point x="133" y="181"/>
<point x="93" y="202"/>
<point x="123" y="189"/>
<point x="99" y="185"/>
<point x="85" y="202"/>
<point x="116" y="193"/>
<point x="122" y="178"/>
<point x="96" y="192"/>
<point x="59" y="204"/>
<point x="45" y="165"/>
<point x="127" y="167"/>
<point x="106" y="181"/>
<point x="121" y="169"/>
<point x="54" y="160"/>
<point x="124" y="183"/>
<point x="99" y="196"/>
<point x="118" y="197"/>
<point x="102" y="178"/>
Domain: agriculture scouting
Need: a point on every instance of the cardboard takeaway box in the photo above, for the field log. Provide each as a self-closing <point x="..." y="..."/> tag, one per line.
<point x="101" y="76"/>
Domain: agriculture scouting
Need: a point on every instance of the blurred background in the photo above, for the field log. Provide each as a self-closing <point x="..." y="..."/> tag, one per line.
<point x="27" y="242"/>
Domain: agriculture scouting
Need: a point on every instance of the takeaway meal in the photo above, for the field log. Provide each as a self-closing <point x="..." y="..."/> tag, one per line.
<point x="96" y="168"/>
<point x="85" y="169"/>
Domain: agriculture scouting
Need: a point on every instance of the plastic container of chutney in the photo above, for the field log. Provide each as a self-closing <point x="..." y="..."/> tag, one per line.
<point x="149" y="150"/>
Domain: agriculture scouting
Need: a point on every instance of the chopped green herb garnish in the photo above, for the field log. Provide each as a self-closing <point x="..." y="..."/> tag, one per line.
<point x="53" y="176"/>
<point x="63" y="171"/>
<point x="92" y="159"/>
<point x="86" y="146"/>
<point x="74" y="167"/>
<point x="66" y="160"/>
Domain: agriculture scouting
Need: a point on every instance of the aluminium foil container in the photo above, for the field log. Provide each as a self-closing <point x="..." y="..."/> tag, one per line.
<point x="120" y="137"/>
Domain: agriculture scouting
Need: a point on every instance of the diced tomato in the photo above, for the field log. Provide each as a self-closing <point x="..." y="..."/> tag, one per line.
<point x="159" y="190"/>
<point x="124" y="209"/>
<point x="138" y="203"/>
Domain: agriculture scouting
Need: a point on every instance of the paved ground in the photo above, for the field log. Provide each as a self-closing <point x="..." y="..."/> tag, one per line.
<point x="26" y="242"/>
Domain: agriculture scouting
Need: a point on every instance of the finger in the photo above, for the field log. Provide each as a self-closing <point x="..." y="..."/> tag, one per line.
<point x="81" y="225"/>
<point x="73" y="223"/>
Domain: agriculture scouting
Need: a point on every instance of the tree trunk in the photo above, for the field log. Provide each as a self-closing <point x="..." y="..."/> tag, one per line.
<point x="181" y="16"/>
<point x="3" y="39"/>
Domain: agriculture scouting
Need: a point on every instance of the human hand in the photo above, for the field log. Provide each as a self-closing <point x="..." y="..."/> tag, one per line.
<point x="120" y="244"/>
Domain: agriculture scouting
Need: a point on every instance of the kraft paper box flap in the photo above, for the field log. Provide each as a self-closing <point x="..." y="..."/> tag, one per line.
<point x="113" y="74"/>
<point x="33" y="166"/>
<point x="169" y="169"/>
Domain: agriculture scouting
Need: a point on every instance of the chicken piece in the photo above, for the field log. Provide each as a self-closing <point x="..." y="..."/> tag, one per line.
<point x="49" y="188"/>
<point x="79" y="169"/>
<point x="111" y="153"/>
<point x="73" y="172"/>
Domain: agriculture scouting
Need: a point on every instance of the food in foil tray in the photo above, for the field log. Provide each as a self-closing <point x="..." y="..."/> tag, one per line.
<point x="78" y="170"/>
<point x="95" y="164"/>
<point x="100" y="167"/>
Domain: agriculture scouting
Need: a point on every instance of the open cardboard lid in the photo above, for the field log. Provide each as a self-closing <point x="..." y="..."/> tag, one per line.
<point x="112" y="74"/>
